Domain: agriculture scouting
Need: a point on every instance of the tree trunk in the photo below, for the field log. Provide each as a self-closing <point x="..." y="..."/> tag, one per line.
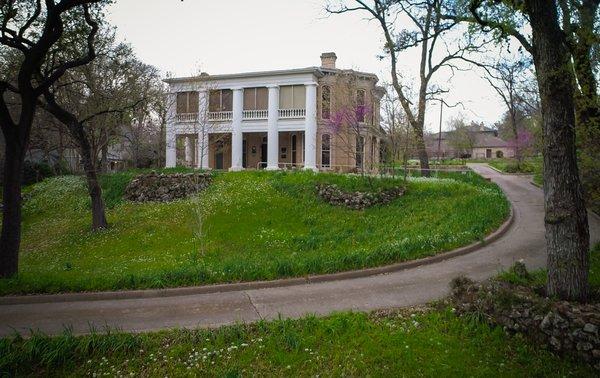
<point x="421" y="150"/>
<point x="587" y="103"/>
<point x="11" y="211"/>
<point x="98" y="213"/>
<point x="104" y="158"/>
<point x="567" y="235"/>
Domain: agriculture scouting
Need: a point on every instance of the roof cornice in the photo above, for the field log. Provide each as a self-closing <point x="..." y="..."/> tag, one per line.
<point x="200" y="78"/>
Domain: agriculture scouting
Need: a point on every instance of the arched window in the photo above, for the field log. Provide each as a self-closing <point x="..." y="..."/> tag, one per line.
<point x="325" y="151"/>
<point x="326" y="102"/>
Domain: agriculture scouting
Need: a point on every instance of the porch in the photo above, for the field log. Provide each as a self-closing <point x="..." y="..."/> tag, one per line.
<point x="254" y="151"/>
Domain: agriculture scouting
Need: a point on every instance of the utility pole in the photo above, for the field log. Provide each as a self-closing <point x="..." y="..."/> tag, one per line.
<point x="440" y="132"/>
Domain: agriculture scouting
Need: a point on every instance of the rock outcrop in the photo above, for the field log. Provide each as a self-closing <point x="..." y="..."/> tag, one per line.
<point x="165" y="187"/>
<point x="357" y="200"/>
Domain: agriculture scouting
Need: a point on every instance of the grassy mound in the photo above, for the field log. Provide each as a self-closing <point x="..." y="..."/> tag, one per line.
<point x="245" y="226"/>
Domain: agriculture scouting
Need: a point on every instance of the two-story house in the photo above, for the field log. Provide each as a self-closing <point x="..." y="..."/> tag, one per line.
<point x="317" y="118"/>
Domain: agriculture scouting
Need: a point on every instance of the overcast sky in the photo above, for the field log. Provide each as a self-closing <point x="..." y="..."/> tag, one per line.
<point x="229" y="36"/>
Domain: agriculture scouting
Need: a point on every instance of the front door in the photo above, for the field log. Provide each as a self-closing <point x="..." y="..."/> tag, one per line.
<point x="488" y="153"/>
<point x="263" y="153"/>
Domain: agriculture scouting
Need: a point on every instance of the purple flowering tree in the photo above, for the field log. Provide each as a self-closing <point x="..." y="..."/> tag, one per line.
<point x="523" y="144"/>
<point x="347" y="124"/>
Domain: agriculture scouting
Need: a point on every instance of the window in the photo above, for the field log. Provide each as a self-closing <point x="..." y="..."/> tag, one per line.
<point x="325" y="102"/>
<point x="244" y="154"/>
<point x="294" y="143"/>
<point x="187" y="102"/>
<point x="220" y="100"/>
<point x="373" y="150"/>
<point x="325" y="151"/>
<point x="360" y="151"/>
<point x="292" y="97"/>
<point x="360" y="105"/>
<point x="255" y="98"/>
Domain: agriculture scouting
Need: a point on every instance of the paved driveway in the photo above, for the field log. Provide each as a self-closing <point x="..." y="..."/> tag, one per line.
<point x="524" y="240"/>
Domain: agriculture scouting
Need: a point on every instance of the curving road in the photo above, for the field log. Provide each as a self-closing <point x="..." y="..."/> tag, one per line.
<point x="524" y="240"/>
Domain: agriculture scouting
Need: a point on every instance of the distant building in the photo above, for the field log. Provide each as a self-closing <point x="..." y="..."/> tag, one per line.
<point x="484" y="143"/>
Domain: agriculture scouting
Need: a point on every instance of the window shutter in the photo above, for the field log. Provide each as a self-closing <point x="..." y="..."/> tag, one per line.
<point x="214" y="101"/>
<point x="193" y="102"/>
<point x="262" y="98"/>
<point x="249" y="98"/>
<point x="299" y="97"/>
<point x="226" y="100"/>
<point x="286" y="95"/>
<point x="181" y="102"/>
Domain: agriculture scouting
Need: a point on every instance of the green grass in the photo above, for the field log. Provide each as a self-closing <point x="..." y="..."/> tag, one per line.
<point x="255" y="226"/>
<point x="531" y="165"/>
<point x="538" y="277"/>
<point x="433" y="343"/>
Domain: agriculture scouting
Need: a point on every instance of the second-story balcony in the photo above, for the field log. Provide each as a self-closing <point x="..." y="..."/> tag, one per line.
<point x="187" y="117"/>
<point x="226" y="115"/>
<point x="255" y="114"/>
<point x="292" y="113"/>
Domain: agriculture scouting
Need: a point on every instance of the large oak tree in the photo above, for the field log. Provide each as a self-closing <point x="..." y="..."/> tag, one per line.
<point x="567" y="234"/>
<point x="32" y="29"/>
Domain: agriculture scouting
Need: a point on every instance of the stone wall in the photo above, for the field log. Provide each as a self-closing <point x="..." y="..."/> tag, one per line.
<point x="161" y="187"/>
<point x="357" y="200"/>
<point x="563" y="327"/>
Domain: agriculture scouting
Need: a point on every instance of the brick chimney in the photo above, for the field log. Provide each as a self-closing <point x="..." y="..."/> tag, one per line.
<point x="328" y="60"/>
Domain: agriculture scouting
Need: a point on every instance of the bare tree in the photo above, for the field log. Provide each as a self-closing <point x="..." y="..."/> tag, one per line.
<point x="33" y="30"/>
<point x="461" y="136"/>
<point x="398" y="137"/>
<point x="93" y="101"/>
<point x="408" y="24"/>
<point x="509" y="77"/>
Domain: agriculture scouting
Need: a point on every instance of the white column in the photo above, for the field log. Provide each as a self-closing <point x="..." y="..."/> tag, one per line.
<point x="203" y="148"/>
<point x="203" y="130"/>
<point x="310" y="130"/>
<point x="272" y="131"/>
<point x="237" y="137"/>
<point x="171" y="136"/>
<point x="188" y="150"/>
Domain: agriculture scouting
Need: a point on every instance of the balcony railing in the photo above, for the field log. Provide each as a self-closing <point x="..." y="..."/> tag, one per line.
<point x="255" y="114"/>
<point x="187" y="117"/>
<point x="292" y="113"/>
<point x="246" y="115"/>
<point x="220" y="116"/>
